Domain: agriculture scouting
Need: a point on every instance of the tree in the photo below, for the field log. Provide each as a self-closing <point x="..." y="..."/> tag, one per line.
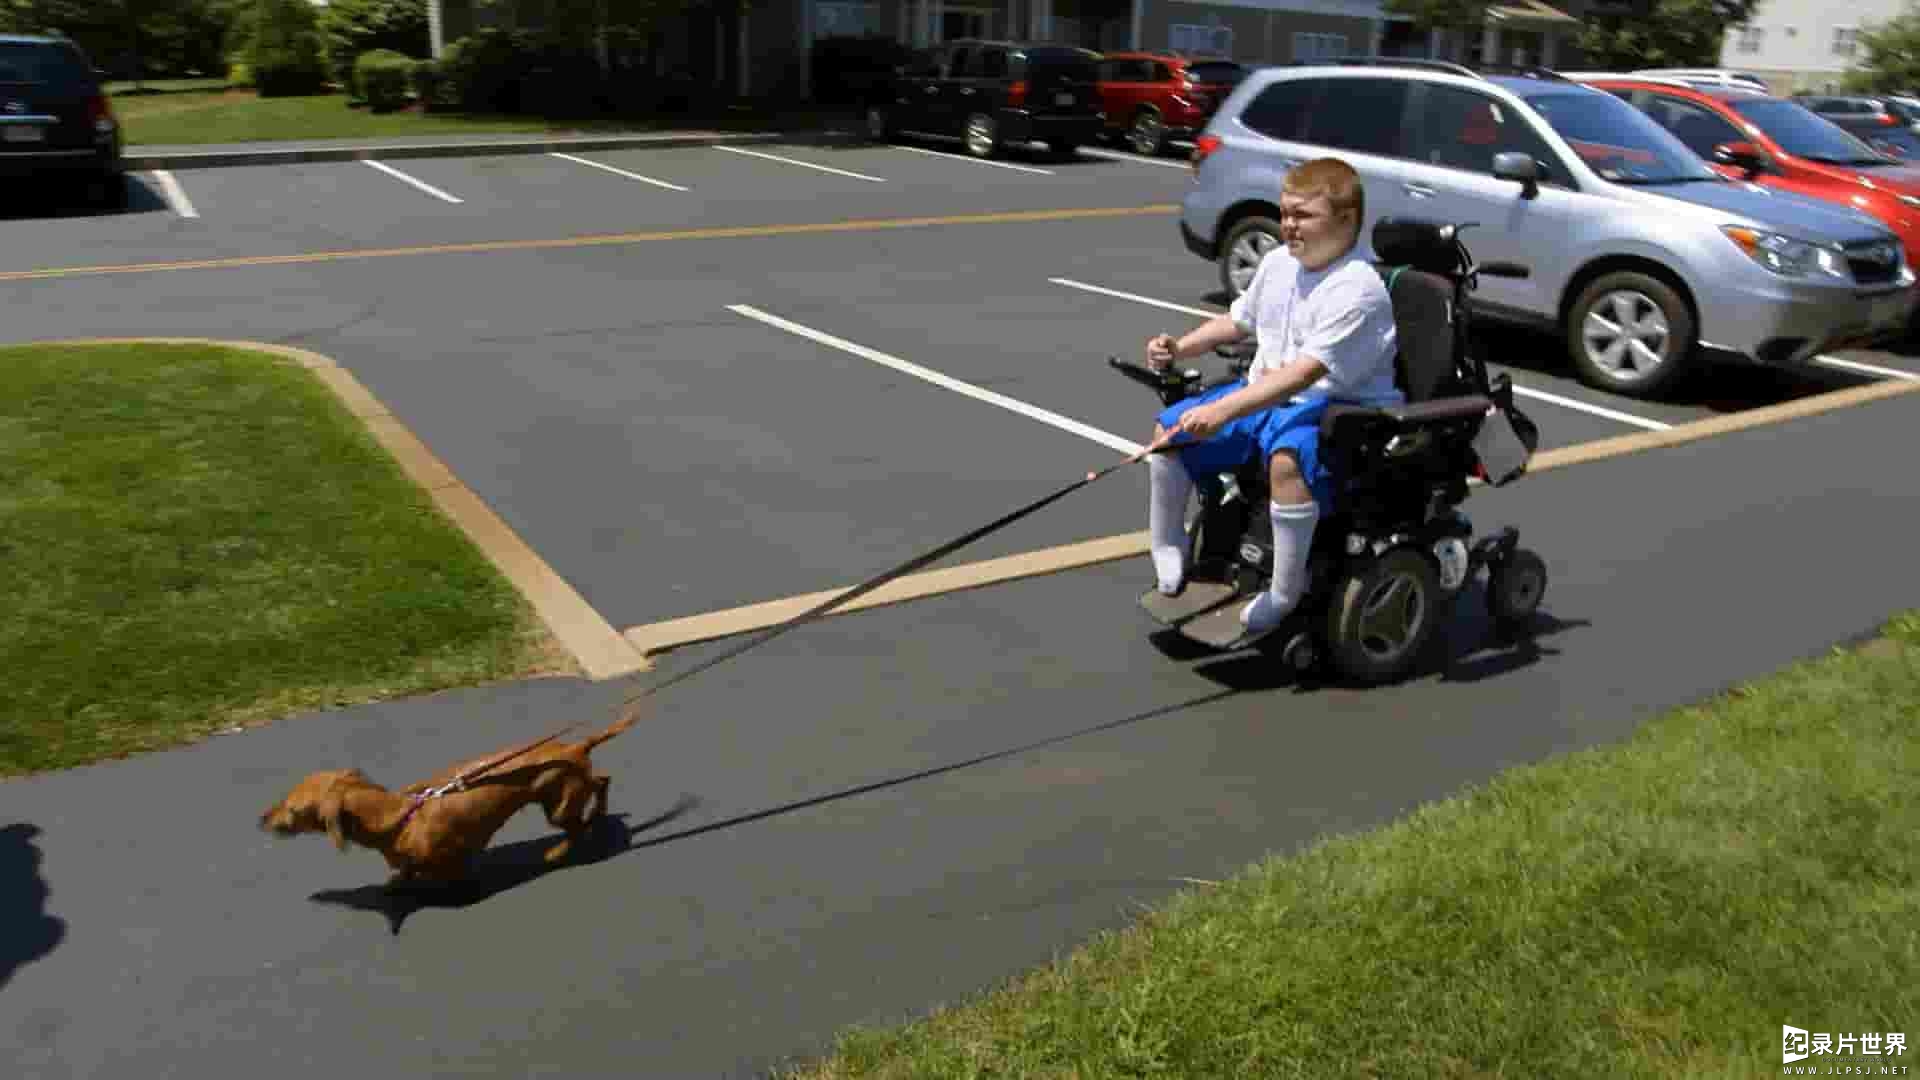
<point x="1463" y="16"/>
<point x="1666" y="33"/>
<point x="352" y="27"/>
<point x="1889" y="56"/>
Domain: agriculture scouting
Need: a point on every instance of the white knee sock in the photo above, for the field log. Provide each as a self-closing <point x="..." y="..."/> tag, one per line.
<point x="1166" y="519"/>
<point x="1292" y="539"/>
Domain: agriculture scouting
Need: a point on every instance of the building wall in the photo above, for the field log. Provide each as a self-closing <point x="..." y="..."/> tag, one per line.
<point x="1804" y="44"/>
<point x="1252" y="35"/>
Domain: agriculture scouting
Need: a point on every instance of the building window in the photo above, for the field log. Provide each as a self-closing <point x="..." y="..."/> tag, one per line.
<point x="1843" y="40"/>
<point x="1196" y="39"/>
<point x="845" y="18"/>
<point x="1319" y="46"/>
<point x="1750" y="38"/>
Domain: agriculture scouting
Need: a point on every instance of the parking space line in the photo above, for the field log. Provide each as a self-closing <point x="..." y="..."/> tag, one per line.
<point x="398" y="175"/>
<point x="1032" y="412"/>
<point x="1071" y="284"/>
<point x="802" y="164"/>
<point x="619" y="172"/>
<point x="176" y="195"/>
<point x="976" y="161"/>
<point x="1523" y="391"/>
<point x="1865" y="369"/>
<point x="1115" y="155"/>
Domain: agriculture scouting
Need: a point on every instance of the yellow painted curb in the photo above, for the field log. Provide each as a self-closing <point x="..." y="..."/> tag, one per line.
<point x="857" y="225"/>
<point x="655" y="638"/>
<point x="601" y="652"/>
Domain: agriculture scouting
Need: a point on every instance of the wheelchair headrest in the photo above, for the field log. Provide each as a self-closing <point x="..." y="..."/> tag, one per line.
<point x="1416" y="244"/>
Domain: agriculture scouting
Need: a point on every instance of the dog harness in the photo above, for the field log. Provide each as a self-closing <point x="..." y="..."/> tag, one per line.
<point x="459" y="783"/>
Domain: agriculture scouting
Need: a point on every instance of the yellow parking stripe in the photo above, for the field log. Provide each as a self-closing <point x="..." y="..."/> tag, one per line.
<point x="858" y="225"/>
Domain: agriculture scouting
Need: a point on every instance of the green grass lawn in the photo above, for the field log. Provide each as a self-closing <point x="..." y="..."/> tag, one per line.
<point x="201" y="537"/>
<point x="1653" y="909"/>
<point x="198" y="117"/>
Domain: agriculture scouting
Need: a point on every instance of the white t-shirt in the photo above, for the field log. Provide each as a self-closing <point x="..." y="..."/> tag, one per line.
<point x="1341" y="315"/>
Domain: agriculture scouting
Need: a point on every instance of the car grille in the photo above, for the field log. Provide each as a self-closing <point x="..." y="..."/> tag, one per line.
<point x="1874" y="262"/>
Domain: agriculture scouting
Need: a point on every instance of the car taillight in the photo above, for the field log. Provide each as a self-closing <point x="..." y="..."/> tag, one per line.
<point x="1017" y="94"/>
<point x="1889" y="120"/>
<point x="1203" y="146"/>
<point x="100" y="114"/>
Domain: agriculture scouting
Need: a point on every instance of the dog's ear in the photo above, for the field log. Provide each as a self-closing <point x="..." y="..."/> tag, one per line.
<point x="333" y="812"/>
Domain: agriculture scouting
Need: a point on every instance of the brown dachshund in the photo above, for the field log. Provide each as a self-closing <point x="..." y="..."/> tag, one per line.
<point x="432" y="837"/>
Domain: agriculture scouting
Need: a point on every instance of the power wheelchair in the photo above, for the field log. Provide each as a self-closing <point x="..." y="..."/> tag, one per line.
<point x="1390" y="556"/>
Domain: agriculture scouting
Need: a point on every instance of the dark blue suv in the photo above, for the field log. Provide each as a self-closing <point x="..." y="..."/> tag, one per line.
<point x="55" y="122"/>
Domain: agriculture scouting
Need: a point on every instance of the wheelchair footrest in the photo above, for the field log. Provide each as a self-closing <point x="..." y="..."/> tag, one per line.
<point x="1196" y="600"/>
<point x="1221" y="628"/>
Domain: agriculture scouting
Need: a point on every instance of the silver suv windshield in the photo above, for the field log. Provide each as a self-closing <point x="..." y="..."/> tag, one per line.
<point x="1619" y="142"/>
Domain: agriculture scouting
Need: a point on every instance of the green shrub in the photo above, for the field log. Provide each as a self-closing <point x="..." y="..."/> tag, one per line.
<point x="350" y="28"/>
<point x="484" y="71"/>
<point x="429" y="85"/>
<point x="380" y="77"/>
<point x="286" y="53"/>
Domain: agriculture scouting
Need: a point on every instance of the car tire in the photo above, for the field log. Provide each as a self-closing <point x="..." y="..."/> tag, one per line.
<point x="1064" y="149"/>
<point x="1240" y="252"/>
<point x="983" y="135"/>
<point x="878" y="124"/>
<point x="1630" y="333"/>
<point x="108" y="191"/>
<point x="1147" y="136"/>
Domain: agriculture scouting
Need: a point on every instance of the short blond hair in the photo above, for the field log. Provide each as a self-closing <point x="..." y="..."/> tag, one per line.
<point x="1333" y="178"/>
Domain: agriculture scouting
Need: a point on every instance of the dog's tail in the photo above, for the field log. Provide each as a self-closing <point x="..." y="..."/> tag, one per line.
<point x="629" y="716"/>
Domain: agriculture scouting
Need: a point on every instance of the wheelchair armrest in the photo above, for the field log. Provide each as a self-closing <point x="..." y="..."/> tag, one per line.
<point x="1426" y="412"/>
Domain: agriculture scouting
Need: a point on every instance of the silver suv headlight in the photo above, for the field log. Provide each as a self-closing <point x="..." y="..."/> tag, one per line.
<point x="1786" y="256"/>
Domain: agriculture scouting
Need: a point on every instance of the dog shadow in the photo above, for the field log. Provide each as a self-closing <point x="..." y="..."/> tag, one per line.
<point x="30" y="933"/>
<point x="499" y="869"/>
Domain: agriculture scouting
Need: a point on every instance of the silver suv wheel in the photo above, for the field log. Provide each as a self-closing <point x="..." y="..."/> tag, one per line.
<point x="1630" y="333"/>
<point x="1247" y="243"/>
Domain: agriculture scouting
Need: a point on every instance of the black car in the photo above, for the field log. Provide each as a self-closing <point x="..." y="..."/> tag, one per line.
<point x="992" y="93"/>
<point x="55" y="122"/>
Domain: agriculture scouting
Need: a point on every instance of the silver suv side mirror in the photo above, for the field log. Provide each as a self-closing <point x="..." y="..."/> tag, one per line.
<point x="1517" y="166"/>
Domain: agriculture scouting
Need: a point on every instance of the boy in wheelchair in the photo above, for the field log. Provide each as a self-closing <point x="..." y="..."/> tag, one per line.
<point x="1324" y="326"/>
<point x="1354" y="427"/>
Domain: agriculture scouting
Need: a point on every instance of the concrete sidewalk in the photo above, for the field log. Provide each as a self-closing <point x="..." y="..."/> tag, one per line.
<point x="895" y="808"/>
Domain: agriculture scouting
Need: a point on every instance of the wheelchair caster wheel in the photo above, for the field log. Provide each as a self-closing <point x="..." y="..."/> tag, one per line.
<point x="1516" y="586"/>
<point x="1301" y="654"/>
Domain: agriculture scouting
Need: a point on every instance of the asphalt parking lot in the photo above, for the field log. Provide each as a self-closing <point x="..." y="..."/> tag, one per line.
<point x="779" y="380"/>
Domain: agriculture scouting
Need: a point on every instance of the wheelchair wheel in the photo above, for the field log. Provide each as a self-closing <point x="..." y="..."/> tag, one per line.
<point x="1515" y="587"/>
<point x="1383" y="616"/>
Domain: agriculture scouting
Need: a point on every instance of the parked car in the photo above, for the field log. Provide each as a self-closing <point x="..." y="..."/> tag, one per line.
<point x="992" y="93"/>
<point x="1150" y="98"/>
<point x="55" y="120"/>
<point x="1777" y="143"/>
<point x="1646" y="260"/>
<point x="1856" y="113"/>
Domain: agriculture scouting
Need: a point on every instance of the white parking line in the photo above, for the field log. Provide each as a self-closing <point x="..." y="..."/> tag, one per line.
<point x="1115" y="155"/>
<point x="1865" y="369"/>
<point x="398" y="175"/>
<point x="802" y="164"/>
<point x="1523" y="391"/>
<point x="1032" y="412"/>
<point x="619" y="172"/>
<point x="977" y="161"/>
<point x="176" y="195"/>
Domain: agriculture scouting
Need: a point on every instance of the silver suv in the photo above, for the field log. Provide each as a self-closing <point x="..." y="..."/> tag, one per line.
<point x="1646" y="260"/>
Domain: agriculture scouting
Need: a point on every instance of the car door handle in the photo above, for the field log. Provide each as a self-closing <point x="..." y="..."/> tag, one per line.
<point x="933" y="89"/>
<point x="966" y="90"/>
<point x="1418" y="191"/>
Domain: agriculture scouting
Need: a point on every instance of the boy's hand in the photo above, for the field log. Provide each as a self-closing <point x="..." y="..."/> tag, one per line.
<point x="1160" y="351"/>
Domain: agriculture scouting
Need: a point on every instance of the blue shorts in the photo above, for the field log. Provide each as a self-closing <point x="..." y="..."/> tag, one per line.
<point x="1291" y="426"/>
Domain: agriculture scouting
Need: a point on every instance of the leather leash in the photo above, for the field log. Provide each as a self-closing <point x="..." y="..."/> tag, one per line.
<point x="459" y="783"/>
<point x="907" y="567"/>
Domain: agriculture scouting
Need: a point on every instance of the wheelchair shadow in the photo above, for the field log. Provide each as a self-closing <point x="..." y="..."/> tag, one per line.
<point x="1470" y="647"/>
<point x="31" y="930"/>
<point x="499" y="869"/>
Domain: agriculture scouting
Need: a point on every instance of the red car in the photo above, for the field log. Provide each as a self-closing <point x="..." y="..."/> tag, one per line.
<point x="1154" y="97"/>
<point x="1778" y="143"/>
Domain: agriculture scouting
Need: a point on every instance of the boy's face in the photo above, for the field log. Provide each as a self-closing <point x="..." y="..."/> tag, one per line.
<point x="1314" y="232"/>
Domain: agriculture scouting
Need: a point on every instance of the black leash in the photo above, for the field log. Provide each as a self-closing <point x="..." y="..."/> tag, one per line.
<point x="904" y="568"/>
